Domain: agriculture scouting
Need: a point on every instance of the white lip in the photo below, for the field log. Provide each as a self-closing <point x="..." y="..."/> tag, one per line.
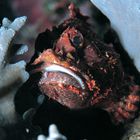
<point x="54" y="68"/>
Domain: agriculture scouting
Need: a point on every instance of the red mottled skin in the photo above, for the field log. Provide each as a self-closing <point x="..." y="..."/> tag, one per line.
<point x="97" y="65"/>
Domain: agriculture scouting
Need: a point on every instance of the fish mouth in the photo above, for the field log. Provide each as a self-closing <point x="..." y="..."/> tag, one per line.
<point x="64" y="85"/>
<point x="61" y="69"/>
<point x="52" y="63"/>
<point x="62" y="80"/>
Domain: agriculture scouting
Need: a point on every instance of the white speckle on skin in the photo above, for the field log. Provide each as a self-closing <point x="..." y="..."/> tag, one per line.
<point x="27" y="130"/>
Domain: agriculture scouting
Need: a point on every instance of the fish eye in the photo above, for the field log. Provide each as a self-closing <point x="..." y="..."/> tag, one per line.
<point x="77" y="40"/>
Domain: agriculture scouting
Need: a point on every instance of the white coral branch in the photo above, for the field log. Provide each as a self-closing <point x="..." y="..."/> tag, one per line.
<point x="11" y="75"/>
<point x="125" y="19"/>
<point x="53" y="134"/>
<point x="124" y="16"/>
<point x="133" y="132"/>
<point x="10" y="72"/>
